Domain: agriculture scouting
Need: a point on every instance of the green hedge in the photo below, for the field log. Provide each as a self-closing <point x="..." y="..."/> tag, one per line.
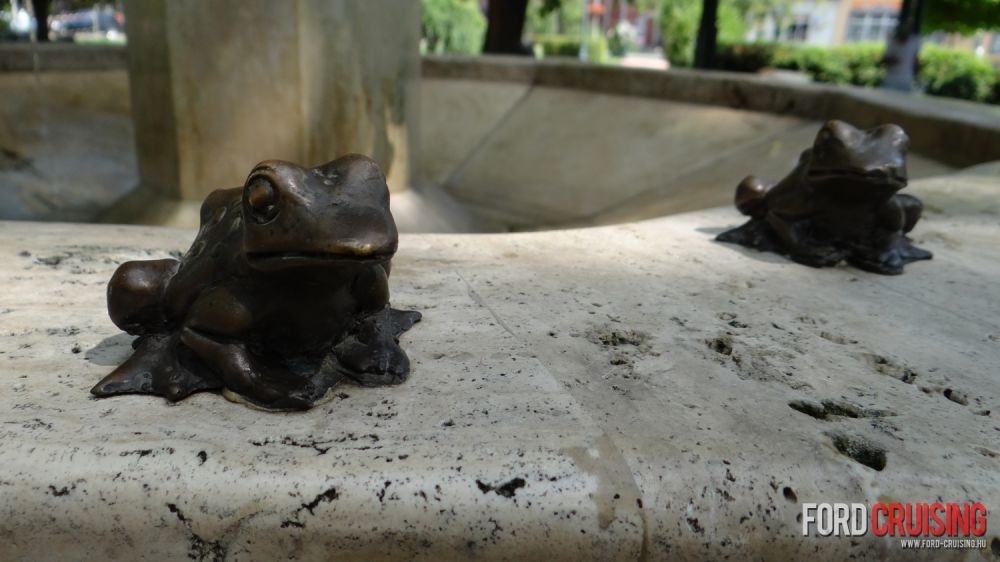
<point x="745" y="57"/>
<point x="943" y="71"/>
<point x="569" y="46"/>
<point x="956" y="74"/>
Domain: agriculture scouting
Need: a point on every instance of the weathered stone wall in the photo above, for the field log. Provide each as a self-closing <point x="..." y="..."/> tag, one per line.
<point x="220" y="86"/>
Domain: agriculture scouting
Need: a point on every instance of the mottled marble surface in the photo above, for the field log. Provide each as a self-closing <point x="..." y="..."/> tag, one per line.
<point x="626" y="392"/>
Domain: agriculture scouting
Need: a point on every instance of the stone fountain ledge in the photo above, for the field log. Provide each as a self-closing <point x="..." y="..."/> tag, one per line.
<point x="626" y="392"/>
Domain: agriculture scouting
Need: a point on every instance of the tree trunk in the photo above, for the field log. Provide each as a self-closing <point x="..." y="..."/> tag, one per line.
<point x="704" y="51"/>
<point x="41" y="10"/>
<point x="903" y="47"/>
<point x="505" y="27"/>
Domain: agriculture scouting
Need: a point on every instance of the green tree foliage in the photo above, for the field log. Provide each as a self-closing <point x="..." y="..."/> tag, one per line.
<point x="452" y="26"/>
<point x="554" y="27"/>
<point x="780" y="11"/>
<point x="679" y="26"/>
<point x="554" y="17"/>
<point x="732" y="22"/>
<point x="962" y="16"/>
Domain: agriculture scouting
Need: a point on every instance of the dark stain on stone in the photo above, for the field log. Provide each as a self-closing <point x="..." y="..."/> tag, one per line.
<point x="13" y="160"/>
<point x="147" y="452"/>
<point x="722" y="345"/>
<point x="381" y="493"/>
<point x="843" y="409"/>
<point x="327" y="496"/>
<point x="199" y="548"/>
<point x="885" y="366"/>
<point x="507" y="489"/>
<point x="956" y="396"/>
<point x="51" y="261"/>
<point x="140" y="452"/>
<point x="613" y="337"/>
<point x="860" y="450"/>
<point x="808" y="408"/>
<point x="59" y="492"/>
<point x="35" y="423"/>
<point x="202" y="457"/>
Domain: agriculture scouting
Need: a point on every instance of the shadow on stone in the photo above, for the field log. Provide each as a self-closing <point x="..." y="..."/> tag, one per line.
<point x="711" y="230"/>
<point x="111" y="351"/>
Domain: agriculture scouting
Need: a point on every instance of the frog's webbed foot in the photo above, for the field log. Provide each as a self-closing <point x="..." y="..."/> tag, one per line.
<point x="251" y="378"/>
<point x="912" y="209"/>
<point x="889" y="257"/>
<point x="752" y="234"/>
<point x="403" y="320"/>
<point x="370" y="354"/>
<point x="159" y="366"/>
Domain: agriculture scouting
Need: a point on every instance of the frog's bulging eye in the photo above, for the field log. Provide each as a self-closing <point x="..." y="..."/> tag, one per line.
<point x="262" y="199"/>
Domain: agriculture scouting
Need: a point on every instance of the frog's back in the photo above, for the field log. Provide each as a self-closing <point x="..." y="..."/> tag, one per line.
<point x="213" y="252"/>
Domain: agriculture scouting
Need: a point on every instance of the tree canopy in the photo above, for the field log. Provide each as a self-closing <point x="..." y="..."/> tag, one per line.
<point x="962" y="16"/>
<point x="452" y="26"/>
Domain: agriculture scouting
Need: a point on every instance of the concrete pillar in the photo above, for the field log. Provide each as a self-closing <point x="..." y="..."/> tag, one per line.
<point x="219" y="86"/>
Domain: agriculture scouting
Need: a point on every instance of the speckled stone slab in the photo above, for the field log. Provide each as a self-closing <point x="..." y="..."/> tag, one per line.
<point x="629" y="392"/>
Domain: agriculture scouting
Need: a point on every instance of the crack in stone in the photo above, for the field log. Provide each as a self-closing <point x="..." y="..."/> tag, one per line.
<point x="482" y="302"/>
<point x="325" y="496"/>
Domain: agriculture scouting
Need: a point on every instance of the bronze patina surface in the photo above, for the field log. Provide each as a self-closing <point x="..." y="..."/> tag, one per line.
<point x="839" y="203"/>
<point x="283" y="293"/>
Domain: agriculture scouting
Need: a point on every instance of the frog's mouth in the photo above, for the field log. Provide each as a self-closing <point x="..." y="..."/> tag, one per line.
<point x="874" y="177"/>
<point x="283" y="260"/>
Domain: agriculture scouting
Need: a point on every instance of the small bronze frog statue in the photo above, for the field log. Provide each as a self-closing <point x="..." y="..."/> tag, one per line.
<point x="839" y="203"/>
<point x="283" y="293"/>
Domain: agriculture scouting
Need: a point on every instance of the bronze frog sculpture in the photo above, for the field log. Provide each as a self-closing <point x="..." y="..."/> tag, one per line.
<point x="839" y="203"/>
<point x="283" y="293"/>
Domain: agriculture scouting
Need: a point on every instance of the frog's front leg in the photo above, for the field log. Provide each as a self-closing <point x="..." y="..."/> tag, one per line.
<point x="794" y="240"/>
<point x="216" y="331"/>
<point x="370" y="352"/>
<point x="887" y="249"/>
<point x="912" y="209"/>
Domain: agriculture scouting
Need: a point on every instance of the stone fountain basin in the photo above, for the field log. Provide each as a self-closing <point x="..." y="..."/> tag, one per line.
<point x="633" y="391"/>
<point x="630" y="391"/>
<point x="504" y="144"/>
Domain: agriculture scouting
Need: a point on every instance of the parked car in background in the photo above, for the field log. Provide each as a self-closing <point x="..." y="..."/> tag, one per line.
<point x="88" y="25"/>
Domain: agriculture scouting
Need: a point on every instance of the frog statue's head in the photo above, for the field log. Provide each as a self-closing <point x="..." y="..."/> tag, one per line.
<point x="333" y="214"/>
<point x="858" y="163"/>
